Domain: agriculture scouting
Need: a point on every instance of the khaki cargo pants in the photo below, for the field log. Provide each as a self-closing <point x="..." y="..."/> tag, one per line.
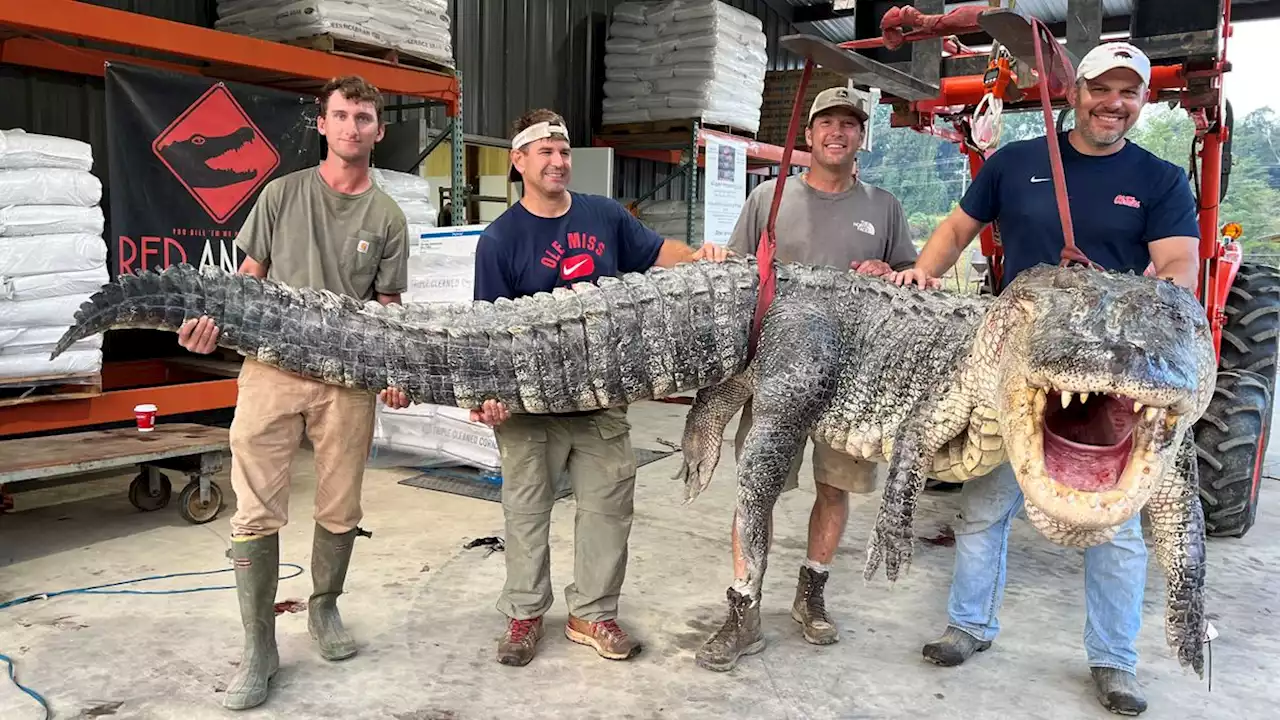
<point x="273" y="411"/>
<point x="830" y="467"/>
<point x="596" y="450"/>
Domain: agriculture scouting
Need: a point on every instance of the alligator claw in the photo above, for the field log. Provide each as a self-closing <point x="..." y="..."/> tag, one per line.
<point x="892" y="546"/>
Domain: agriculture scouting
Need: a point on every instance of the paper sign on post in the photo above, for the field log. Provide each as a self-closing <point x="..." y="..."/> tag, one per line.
<point x="724" y="188"/>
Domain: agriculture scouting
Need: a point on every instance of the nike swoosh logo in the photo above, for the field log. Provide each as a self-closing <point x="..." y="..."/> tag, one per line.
<point x="571" y="269"/>
<point x="1035" y="179"/>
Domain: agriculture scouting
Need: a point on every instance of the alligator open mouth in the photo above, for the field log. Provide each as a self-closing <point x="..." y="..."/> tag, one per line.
<point x="1097" y="443"/>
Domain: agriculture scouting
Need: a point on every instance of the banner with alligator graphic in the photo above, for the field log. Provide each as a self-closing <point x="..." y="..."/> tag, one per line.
<point x="187" y="158"/>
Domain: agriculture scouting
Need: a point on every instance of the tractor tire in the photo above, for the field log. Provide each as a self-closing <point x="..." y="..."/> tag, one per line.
<point x="1230" y="437"/>
<point x="1251" y="335"/>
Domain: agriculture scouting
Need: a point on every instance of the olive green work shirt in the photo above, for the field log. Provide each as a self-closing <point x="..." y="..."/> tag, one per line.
<point x="310" y="235"/>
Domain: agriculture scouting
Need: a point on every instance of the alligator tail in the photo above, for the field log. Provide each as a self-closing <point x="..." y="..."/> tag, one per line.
<point x="635" y="337"/>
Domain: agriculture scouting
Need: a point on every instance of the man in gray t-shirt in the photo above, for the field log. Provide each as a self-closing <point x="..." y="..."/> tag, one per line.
<point x="827" y="217"/>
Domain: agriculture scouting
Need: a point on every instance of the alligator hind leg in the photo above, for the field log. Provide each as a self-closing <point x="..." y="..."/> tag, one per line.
<point x="796" y="372"/>
<point x="704" y="430"/>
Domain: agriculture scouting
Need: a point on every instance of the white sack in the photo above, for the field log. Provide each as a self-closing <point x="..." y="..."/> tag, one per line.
<point x="20" y="149"/>
<point x="41" y="254"/>
<point x="49" y="186"/>
<point x="23" y="314"/>
<point x="34" y="340"/>
<point x="72" y="362"/>
<point x="50" y="285"/>
<point x="22" y="220"/>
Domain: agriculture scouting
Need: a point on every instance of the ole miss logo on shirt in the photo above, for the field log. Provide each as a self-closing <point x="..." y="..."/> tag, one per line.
<point x="575" y="257"/>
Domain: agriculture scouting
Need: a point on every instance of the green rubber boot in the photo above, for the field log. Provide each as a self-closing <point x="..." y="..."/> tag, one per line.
<point x="257" y="563"/>
<point x="330" y="557"/>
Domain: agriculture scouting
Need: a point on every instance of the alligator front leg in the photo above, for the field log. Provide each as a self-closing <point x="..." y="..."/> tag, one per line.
<point x="921" y="437"/>
<point x="797" y="366"/>
<point x="1177" y="529"/>
<point x="704" y="431"/>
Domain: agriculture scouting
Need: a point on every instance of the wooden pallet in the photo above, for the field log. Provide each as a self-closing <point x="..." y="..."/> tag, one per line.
<point x="366" y="51"/>
<point x="42" y="388"/>
<point x="665" y="127"/>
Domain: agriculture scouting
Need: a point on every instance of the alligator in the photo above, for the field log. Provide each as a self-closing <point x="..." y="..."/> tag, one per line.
<point x="190" y="158"/>
<point x="1087" y="381"/>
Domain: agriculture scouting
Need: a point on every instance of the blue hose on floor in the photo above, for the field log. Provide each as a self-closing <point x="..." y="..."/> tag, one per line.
<point x="102" y="590"/>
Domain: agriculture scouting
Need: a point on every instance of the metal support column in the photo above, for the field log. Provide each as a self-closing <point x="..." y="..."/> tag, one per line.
<point x="1084" y="28"/>
<point x="457" y="196"/>
<point x="691" y="189"/>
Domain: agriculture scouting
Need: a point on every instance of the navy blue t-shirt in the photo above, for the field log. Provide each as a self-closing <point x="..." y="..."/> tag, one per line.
<point x="522" y="254"/>
<point x="1118" y="203"/>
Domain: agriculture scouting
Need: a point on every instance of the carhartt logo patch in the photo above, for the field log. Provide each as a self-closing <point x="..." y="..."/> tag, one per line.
<point x="1128" y="201"/>
<point x="363" y="246"/>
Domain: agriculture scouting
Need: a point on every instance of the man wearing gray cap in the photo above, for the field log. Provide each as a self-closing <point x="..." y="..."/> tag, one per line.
<point x="827" y="217"/>
<point x="1128" y="209"/>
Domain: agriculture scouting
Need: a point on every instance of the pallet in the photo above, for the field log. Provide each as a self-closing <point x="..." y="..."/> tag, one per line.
<point x="42" y="388"/>
<point x="667" y="127"/>
<point x="365" y="51"/>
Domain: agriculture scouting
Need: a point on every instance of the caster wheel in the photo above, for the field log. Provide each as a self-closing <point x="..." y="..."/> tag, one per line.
<point x="194" y="511"/>
<point x="141" y="496"/>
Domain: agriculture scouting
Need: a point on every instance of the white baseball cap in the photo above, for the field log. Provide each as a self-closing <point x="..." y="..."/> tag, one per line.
<point x="1109" y="56"/>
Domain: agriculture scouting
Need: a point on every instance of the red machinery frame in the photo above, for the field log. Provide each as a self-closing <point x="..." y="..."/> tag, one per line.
<point x="1220" y="257"/>
<point x="1220" y="254"/>
<point x="39" y="33"/>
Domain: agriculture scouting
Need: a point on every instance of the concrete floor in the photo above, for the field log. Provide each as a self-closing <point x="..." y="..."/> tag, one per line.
<point x="422" y="609"/>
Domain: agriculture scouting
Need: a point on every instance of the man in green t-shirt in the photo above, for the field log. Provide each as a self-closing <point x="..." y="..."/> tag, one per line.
<point x="323" y="227"/>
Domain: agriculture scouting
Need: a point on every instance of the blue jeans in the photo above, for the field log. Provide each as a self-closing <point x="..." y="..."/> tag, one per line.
<point x="1115" y="574"/>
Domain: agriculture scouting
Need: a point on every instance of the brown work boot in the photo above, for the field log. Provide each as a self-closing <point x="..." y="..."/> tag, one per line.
<point x="609" y="640"/>
<point x="518" y="645"/>
<point x="809" y="609"/>
<point x="739" y="635"/>
<point x="953" y="648"/>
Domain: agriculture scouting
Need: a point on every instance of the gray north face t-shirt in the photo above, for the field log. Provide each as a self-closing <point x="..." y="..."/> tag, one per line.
<point x="821" y="228"/>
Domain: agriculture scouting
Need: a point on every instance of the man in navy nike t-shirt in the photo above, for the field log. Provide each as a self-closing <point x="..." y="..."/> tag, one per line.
<point x="1128" y="209"/>
<point x="554" y="238"/>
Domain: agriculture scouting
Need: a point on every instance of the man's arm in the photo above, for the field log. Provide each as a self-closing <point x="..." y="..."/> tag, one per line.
<point x="393" y="270"/>
<point x="979" y="206"/>
<point x="1173" y="233"/>
<point x="1178" y="259"/>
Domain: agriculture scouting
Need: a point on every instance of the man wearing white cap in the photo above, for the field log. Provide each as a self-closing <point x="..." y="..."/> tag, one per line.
<point x="555" y="238"/>
<point x="827" y="217"/>
<point x="1128" y="209"/>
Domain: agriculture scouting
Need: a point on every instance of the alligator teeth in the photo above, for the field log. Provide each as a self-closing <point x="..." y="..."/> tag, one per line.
<point x="1151" y="414"/>
<point x="1137" y="406"/>
<point x="1066" y="398"/>
<point x="1084" y="397"/>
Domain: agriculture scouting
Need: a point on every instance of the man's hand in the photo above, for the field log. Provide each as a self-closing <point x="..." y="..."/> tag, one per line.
<point x="199" y="336"/>
<point x="712" y="252"/>
<point x="917" y="276"/>
<point x="493" y="413"/>
<point x="875" y="268"/>
<point x="394" y="398"/>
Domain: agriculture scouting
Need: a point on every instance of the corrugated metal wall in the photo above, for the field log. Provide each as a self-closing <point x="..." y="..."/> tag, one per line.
<point x="515" y="55"/>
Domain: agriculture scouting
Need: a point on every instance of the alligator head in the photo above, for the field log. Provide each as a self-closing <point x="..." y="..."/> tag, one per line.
<point x="1098" y="380"/>
<point x="190" y="158"/>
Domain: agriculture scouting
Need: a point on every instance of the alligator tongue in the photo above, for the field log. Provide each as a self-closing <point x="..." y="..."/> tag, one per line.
<point x="1086" y="446"/>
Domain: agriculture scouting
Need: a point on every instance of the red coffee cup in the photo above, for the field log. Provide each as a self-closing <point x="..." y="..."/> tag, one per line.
<point x="146" y="417"/>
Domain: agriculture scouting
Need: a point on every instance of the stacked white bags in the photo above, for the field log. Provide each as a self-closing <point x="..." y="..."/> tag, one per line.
<point x="415" y="27"/>
<point x="52" y="255"/>
<point x="685" y="59"/>
<point x="412" y="193"/>
<point x="669" y="218"/>
<point x="441" y="271"/>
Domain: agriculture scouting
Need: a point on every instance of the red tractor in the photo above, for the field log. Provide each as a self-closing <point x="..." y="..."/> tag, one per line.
<point x="1187" y="42"/>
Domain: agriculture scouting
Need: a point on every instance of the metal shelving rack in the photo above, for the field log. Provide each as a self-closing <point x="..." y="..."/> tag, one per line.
<point x="52" y="35"/>
<point x="683" y="144"/>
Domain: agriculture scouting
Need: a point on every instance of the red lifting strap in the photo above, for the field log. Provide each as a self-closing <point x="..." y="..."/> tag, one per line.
<point x="957" y="22"/>
<point x="1070" y="253"/>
